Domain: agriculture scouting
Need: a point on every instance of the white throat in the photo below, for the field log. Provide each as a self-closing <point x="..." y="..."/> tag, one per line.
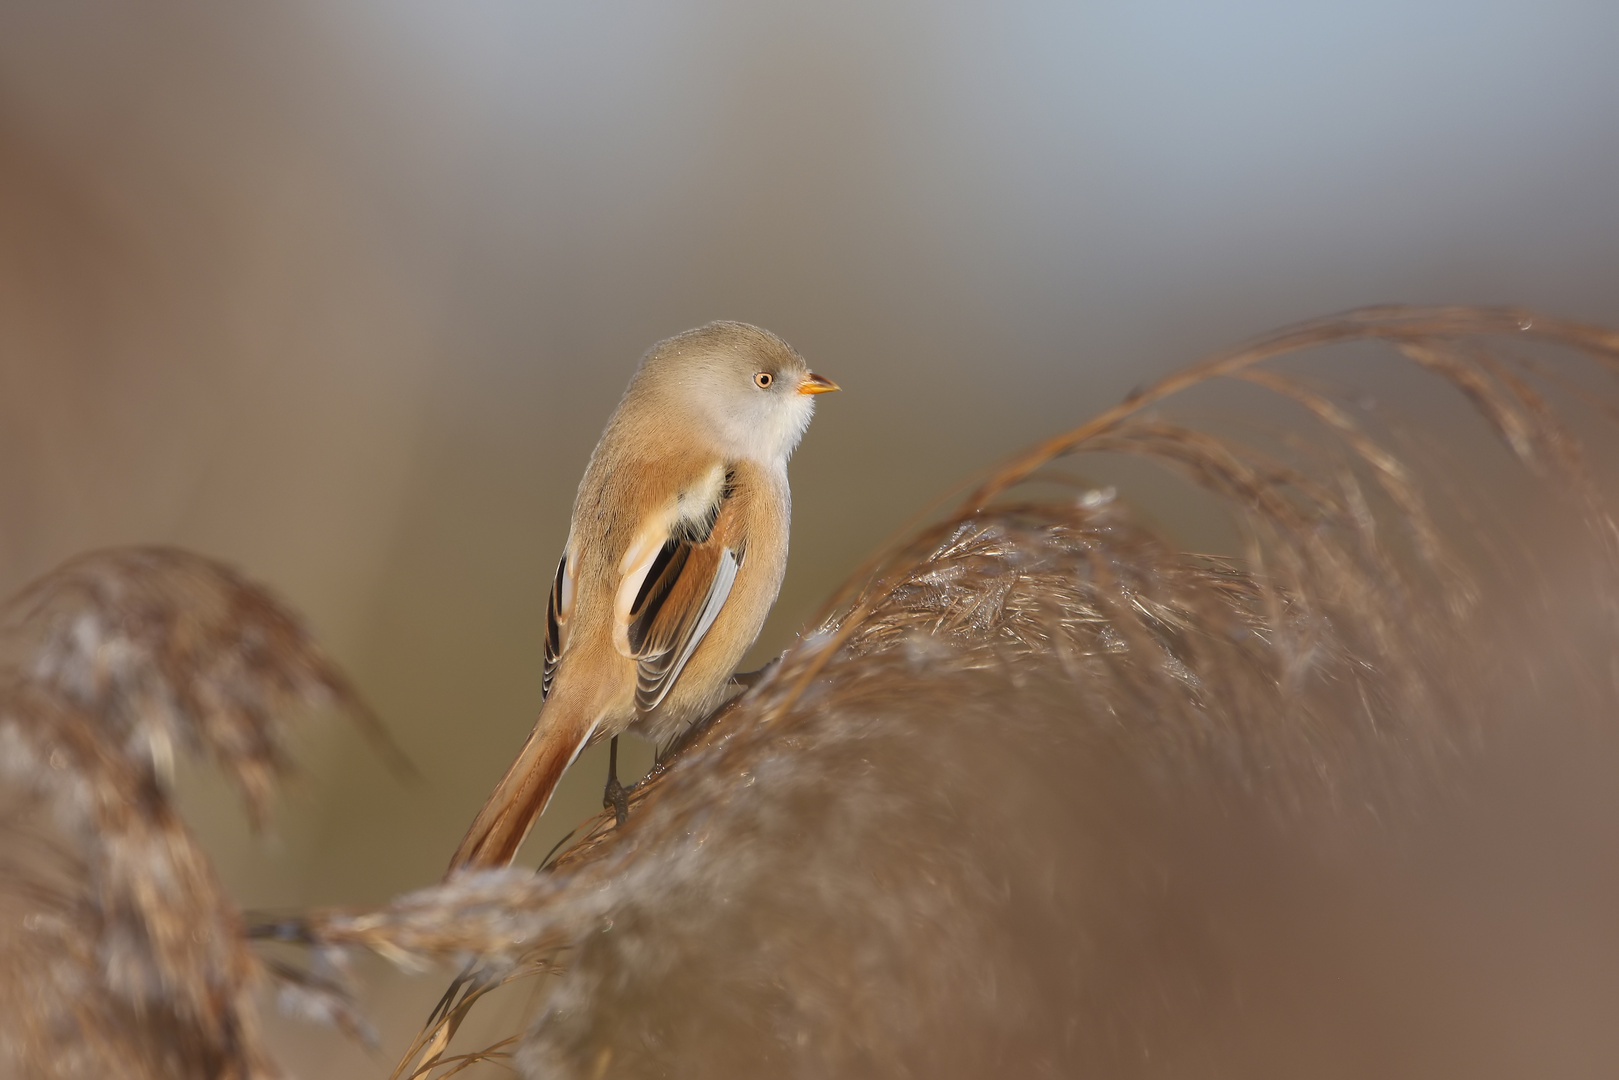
<point x="768" y="433"/>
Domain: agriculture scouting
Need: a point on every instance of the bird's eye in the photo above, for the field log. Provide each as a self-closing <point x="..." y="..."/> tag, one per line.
<point x="763" y="380"/>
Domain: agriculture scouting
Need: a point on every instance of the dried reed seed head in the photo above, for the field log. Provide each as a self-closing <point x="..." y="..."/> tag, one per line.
<point x="128" y="952"/>
<point x="171" y="650"/>
<point x="107" y="666"/>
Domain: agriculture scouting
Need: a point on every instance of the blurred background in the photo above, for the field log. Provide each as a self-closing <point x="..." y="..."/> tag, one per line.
<point x="342" y="292"/>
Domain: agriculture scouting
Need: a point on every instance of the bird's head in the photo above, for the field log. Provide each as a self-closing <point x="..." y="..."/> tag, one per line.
<point x="740" y="386"/>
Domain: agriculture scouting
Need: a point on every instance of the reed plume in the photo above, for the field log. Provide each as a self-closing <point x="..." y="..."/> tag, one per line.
<point x="123" y="955"/>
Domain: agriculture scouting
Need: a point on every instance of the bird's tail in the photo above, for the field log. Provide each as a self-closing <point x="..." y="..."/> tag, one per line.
<point x="503" y="824"/>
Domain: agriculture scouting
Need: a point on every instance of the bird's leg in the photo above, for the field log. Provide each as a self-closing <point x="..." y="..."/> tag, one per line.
<point x="616" y="796"/>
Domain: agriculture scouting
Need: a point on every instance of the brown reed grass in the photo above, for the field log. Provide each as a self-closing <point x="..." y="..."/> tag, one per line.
<point x="124" y="956"/>
<point x="1039" y="793"/>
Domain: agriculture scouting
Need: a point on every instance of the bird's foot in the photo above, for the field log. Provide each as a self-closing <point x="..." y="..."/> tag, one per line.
<point x="616" y="796"/>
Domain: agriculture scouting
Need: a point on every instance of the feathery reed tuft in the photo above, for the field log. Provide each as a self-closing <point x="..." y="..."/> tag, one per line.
<point x="123" y="956"/>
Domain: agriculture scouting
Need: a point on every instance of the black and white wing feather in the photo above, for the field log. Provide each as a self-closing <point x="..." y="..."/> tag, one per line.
<point x="556" y="623"/>
<point x="680" y="596"/>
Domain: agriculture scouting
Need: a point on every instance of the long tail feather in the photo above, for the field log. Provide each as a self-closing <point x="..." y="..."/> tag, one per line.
<point x="522" y="794"/>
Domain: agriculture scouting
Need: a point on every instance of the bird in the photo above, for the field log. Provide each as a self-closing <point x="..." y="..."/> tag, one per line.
<point x="674" y="557"/>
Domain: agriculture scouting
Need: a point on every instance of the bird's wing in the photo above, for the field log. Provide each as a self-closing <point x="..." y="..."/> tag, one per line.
<point x="556" y="623"/>
<point x="674" y="591"/>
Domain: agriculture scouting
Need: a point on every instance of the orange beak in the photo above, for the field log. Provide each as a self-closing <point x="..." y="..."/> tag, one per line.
<point x="817" y="384"/>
